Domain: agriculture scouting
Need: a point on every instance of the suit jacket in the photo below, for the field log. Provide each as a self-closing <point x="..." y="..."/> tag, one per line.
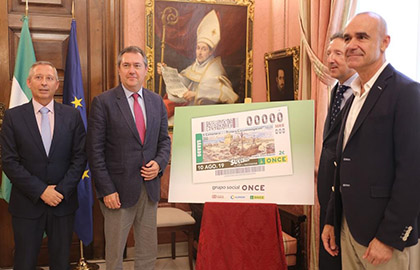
<point x="377" y="179"/>
<point x="326" y="163"/>
<point x="115" y="151"/>
<point x="30" y="169"/>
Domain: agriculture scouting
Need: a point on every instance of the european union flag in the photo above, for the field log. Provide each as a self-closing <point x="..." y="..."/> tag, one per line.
<point x="73" y="95"/>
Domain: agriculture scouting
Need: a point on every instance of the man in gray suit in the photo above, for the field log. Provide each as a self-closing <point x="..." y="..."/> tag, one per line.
<point x="128" y="149"/>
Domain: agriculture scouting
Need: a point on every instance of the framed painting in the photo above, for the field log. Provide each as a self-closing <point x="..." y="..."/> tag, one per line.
<point x="282" y="74"/>
<point x="199" y="51"/>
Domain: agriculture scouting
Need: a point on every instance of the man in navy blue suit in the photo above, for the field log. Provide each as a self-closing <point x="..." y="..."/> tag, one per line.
<point x="375" y="202"/>
<point x="340" y="93"/>
<point x="44" y="166"/>
<point x="128" y="149"/>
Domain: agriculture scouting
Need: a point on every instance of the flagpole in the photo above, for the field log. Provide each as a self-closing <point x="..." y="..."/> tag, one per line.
<point x="72" y="9"/>
<point x="26" y="9"/>
<point x="83" y="265"/>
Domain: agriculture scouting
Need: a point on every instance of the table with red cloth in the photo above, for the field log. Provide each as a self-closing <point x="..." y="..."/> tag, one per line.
<point x="240" y="236"/>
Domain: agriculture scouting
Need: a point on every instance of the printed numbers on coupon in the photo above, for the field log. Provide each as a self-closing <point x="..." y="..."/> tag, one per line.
<point x="280" y="131"/>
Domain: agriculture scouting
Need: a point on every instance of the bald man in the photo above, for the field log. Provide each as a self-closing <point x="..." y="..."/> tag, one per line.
<point x="375" y="204"/>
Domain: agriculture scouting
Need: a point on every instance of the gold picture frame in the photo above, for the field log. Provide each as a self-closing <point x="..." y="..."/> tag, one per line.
<point x="171" y="36"/>
<point x="282" y="74"/>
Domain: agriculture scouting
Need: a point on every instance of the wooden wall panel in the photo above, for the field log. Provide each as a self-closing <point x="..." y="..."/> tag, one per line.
<point x="51" y="47"/>
<point x="42" y="6"/>
<point x="5" y="77"/>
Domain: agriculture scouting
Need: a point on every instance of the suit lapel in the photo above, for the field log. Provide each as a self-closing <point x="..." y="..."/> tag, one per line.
<point x="327" y="128"/>
<point x="150" y="112"/>
<point x="30" y="121"/>
<point x="345" y="113"/>
<point x="123" y="105"/>
<point x="336" y="122"/>
<point x="373" y="96"/>
<point x="58" y="126"/>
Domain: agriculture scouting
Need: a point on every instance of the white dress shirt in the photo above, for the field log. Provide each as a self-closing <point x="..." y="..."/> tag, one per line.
<point x="359" y="100"/>
<point x="38" y="116"/>
<point x="140" y="99"/>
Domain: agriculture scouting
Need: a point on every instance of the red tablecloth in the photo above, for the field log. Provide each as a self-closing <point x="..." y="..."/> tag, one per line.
<point x="240" y="236"/>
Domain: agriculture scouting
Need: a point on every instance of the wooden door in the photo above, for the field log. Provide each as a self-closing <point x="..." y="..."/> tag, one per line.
<point x="99" y="40"/>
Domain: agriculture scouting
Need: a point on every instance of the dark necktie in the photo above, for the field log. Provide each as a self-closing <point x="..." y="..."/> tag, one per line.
<point x="138" y="115"/>
<point x="337" y="102"/>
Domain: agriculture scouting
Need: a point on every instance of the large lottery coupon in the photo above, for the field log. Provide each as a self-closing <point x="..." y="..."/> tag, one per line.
<point x="245" y="145"/>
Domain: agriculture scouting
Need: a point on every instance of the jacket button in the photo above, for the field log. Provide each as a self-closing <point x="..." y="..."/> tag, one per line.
<point x="335" y="163"/>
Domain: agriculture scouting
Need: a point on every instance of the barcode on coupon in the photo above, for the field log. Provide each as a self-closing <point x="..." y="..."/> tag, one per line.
<point x="239" y="170"/>
<point x="219" y="124"/>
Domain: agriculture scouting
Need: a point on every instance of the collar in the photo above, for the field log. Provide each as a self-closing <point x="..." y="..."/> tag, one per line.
<point x="349" y="80"/>
<point x="129" y="93"/>
<point x="356" y="85"/>
<point x="38" y="106"/>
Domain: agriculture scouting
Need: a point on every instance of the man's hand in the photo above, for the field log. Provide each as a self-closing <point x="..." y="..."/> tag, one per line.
<point x="377" y="252"/>
<point x="328" y="239"/>
<point x="189" y="95"/>
<point x="112" y="201"/>
<point x="150" y="170"/>
<point x="51" y="196"/>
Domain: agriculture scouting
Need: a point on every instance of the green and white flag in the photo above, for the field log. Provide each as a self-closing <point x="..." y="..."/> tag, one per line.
<point x="20" y="92"/>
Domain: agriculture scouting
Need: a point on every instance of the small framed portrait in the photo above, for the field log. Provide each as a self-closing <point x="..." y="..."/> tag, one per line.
<point x="194" y="59"/>
<point x="282" y="74"/>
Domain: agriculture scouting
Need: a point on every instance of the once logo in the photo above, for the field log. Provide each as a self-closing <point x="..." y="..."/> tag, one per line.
<point x="253" y="187"/>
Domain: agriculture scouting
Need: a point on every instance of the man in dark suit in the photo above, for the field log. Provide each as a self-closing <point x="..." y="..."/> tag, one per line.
<point x="341" y="92"/>
<point x="376" y="202"/>
<point x="128" y="149"/>
<point x="43" y="155"/>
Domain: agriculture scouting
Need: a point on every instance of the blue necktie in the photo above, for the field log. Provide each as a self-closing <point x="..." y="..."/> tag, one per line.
<point x="45" y="129"/>
<point x="337" y="102"/>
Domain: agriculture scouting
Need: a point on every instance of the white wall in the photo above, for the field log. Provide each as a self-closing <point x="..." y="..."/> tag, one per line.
<point x="403" y="19"/>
